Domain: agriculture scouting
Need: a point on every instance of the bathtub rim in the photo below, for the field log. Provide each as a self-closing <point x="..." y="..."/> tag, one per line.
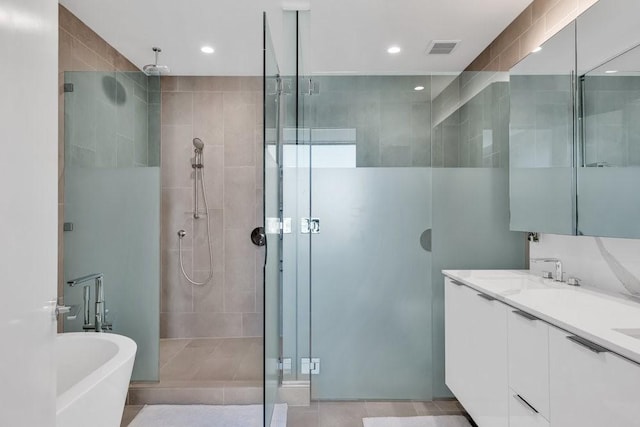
<point x="126" y="351"/>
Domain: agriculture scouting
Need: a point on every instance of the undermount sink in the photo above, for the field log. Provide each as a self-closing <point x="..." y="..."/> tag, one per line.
<point x="633" y="333"/>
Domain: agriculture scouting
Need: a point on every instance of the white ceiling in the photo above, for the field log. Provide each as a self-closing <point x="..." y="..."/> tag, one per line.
<point x="345" y="36"/>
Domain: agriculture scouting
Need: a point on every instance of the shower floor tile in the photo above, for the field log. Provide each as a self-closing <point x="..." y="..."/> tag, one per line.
<point x="205" y="371"/>
<point x="210" y="359"/>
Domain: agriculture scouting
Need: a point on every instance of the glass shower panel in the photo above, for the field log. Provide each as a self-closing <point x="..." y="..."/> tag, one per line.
<point x="272" y="216"/>
<point x="371" y="290"/>
<point x="112" y="204"/>
<point x="371" y="260"/>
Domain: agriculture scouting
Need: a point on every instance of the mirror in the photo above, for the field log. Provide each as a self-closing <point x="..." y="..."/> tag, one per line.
<point x="608" y="170"/>
<point x="541" y="137"/>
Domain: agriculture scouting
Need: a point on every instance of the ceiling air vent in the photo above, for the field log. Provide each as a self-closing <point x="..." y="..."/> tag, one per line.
<point x="442" y="47"/>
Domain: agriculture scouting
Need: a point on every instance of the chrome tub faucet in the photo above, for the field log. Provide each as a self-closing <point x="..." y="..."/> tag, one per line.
<point x="99" y="324"/>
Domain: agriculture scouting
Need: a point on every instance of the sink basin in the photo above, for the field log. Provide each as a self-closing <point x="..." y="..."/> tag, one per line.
<point x="633" y="333"/>
<point x="507" y="286"/>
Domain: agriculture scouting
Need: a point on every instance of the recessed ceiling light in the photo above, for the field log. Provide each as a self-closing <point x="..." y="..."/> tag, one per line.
<point x="419" y="88"/>
<point x="611" y="71"/>
<point x="394" y="49"/>
<point x="207" y="49"/>
<point x="536" y="50"/>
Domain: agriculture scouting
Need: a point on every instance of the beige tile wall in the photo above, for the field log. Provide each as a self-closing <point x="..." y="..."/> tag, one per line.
<point x="536" y="24"/>
<point x="226" y="113"/>
<point x="79" y="49"/>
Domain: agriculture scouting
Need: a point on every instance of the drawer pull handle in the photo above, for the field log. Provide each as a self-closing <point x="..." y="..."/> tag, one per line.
<point x="525" y="403"/>
<point x="525" y="315"/>
<point x="455" y="282"/>
<point x="487" y="297"/>
<point x="587" y="344"/>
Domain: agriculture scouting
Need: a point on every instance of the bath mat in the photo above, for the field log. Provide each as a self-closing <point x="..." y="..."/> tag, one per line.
<point x="428" y="421"/>
<point x="207" y="416"/>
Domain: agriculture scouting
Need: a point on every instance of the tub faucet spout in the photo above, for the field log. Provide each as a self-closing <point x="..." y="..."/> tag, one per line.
<point x="99" y="324"/>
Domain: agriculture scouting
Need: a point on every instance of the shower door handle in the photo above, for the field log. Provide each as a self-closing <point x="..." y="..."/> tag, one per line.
<point x="258" y="236"/>
<point x="425" y="240"/>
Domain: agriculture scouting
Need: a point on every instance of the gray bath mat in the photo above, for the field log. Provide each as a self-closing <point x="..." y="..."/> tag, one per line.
<point x="429" y="421"/>
<point x="207" y="416"/>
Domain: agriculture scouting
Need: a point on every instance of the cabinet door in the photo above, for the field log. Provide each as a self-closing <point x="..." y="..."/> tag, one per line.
<point x="590" y="388"/>
<point x="456" y="349"/>
<point x="476" y="354"/>
<point x="529" y="359"/>
<point x="522" y="414"/>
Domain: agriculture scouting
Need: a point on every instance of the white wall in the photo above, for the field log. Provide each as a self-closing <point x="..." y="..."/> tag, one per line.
<point x="613" y="266"/>
<point x="28" y="210"/>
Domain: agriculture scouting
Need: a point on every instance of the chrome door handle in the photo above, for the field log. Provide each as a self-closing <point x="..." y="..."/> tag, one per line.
<point x="587" y="344"/>
<point x="525" y="315"/>
<point x="455" y="282"/>
<point x="525" y="403"/>
<point x="487" y="297"/>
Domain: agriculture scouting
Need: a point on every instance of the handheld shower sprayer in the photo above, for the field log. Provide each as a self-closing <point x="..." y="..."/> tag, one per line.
<point x="198" y="144"/>
<point x="198" y="174"/>
<point x="197" y="160"/>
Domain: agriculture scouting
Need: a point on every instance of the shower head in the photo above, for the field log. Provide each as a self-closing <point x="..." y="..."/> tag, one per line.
<point x="197" y="142"/>
<point x="155" y="69"/>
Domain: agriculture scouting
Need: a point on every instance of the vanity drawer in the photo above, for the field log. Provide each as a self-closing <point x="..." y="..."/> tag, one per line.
<point x="591" y="386"/>
<point x="521" y="414"/>
<point x="529" y="359"/>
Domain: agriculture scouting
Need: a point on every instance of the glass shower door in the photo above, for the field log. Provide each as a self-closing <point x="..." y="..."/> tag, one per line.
<point x="112" y="206"/>
<point x="371" y="286"/>
<point x="272" y="219"/>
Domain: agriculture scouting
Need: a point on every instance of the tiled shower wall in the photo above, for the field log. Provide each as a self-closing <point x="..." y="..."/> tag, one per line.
<point x="79" y="49"/>
<point x="477" y="134"/>
<point x="390" y="118"/>
<point x="226" y="113"/>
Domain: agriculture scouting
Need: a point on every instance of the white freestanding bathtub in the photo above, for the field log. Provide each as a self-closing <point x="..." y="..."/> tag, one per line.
<point x="93" y="371"/>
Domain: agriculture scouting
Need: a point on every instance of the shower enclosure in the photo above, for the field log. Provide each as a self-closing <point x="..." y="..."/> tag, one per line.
<point x="112" y="206"/>
<point x="373" y="185"/>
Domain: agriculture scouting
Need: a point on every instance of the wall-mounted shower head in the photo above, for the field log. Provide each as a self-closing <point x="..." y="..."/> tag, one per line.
<point x="155" y="69"/>
<point x="197" y="142"/>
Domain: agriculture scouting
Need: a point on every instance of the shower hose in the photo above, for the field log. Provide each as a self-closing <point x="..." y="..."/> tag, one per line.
<point x="181" y="233"/>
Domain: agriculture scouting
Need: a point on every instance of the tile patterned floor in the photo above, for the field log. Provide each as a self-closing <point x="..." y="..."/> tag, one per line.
<point x="212" y="371"/>
<point x="349" y="414"/>
<point x="196" y="370"/>
<point x="211" y="359"/>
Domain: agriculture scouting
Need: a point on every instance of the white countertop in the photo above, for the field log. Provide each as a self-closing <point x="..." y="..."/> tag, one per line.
<point x="581" y="311"/>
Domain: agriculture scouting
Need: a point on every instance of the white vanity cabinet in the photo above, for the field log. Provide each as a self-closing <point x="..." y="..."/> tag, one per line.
<point x="476" y="353"/>
<point x="528" y="339"/>
<point x="523" y="415"/>
<point x="509" y="363"/>
<point x="590" y="386"/>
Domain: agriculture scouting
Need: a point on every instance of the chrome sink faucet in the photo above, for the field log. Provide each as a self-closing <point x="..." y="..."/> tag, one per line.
<point x="99" y="324"/>
<point x="558" y="277"/>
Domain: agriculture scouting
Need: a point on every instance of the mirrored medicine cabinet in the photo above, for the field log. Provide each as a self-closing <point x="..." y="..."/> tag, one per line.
<point x="574" y="149"/>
